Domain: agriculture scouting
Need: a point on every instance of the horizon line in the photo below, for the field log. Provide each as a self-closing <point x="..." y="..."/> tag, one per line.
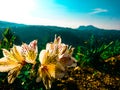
<point x="60" y="25"/>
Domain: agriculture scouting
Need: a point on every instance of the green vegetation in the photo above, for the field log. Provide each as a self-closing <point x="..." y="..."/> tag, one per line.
<point x="7" y="40"/>
<point x="95" y="54"/>
<point x="90" y="52"/>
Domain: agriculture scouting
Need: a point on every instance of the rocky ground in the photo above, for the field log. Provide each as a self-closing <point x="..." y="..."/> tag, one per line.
<point x="88" y="78"/>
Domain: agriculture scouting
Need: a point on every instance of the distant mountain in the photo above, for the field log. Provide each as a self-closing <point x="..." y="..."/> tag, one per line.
<point x="44" y="34"/>
<point x="89" y="27"/>
<point x="4" y="24"/>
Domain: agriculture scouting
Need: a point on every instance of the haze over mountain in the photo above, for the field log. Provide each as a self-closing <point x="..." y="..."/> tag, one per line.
<point x="5" y="24"/>
<point x="91" y="27"/>
<point x="44" y="34"/>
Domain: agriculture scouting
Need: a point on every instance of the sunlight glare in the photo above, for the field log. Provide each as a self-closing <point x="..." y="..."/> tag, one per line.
<point x="11" y="10"/>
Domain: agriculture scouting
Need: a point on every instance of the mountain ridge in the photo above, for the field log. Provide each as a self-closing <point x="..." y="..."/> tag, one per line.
<point x="4" y="24"/>
<point x="88" y="27"/>
<point x="92" y="27"/>
<point x="74" y="37"/>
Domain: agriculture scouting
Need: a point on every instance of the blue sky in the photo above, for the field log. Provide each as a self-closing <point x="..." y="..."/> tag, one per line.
<point x="66" y="13"/>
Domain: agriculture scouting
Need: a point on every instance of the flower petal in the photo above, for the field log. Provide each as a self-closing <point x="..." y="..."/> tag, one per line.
<point x="30" y="51"/>
<point x="66" y="60"/>
<point x="6" y="65"/>
<point x="47" y="82"/>
<point x="49" y="46"/>
<point x="57" y="40"/>
<point x="30" y="57"/>
<point x="14" y="73"/>
<point x="8" y="55"/>
<point x="33" y="45"/>
<point x="17" y="53"/>
<point x="70" y="50"/>
<point x="60" y="71"/>
<point x="51" y="70"/>
<point x="43" y="56"/>
<point x="47" y="73"/>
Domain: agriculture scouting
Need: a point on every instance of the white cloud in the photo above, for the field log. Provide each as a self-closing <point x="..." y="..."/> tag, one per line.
<point x="98" y="10"/>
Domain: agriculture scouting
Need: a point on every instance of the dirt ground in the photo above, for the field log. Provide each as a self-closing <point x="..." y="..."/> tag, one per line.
<point x="87" y="79"/>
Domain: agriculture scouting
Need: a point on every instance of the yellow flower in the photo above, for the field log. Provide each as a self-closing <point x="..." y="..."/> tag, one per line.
<point x="16" y="58"/>
<point x="48" y="68"/>
<point x="63" y="52"/>
<point x="12" y="62"/>
<point x="54" y="60"/>
<point x="30" y="51"/>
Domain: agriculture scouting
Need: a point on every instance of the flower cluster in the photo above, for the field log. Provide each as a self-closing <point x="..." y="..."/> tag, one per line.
<point x="16" y="58"/>
<point x="54" y="60"/>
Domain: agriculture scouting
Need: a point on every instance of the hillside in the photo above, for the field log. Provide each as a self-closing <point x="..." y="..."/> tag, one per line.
<point x="89" y="27"/>
<point x="44" y="34"/>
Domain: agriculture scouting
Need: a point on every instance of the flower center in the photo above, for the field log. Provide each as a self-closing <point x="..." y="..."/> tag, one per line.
<point x="23" y="63"/>
<point x="44" y="68"/>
